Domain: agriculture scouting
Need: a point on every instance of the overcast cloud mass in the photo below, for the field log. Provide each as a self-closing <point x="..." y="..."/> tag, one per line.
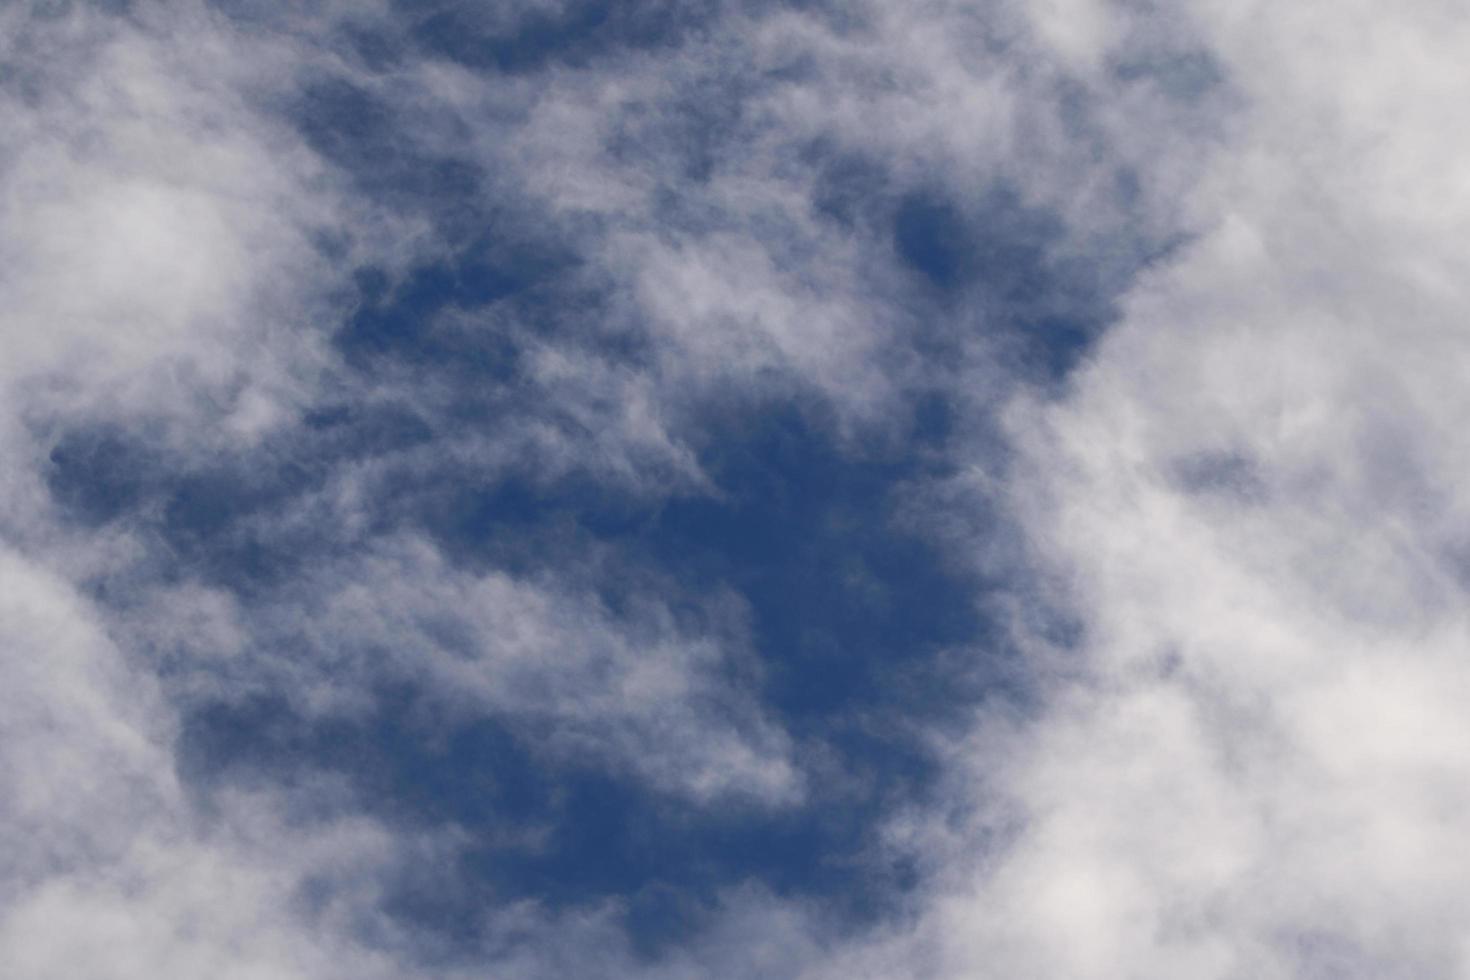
<point x="842" y="491"/>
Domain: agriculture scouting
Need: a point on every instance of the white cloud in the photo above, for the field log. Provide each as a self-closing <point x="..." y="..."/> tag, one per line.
<point x="106" y="870"/>
<point x="693" y="178"/>
<point x="157" y="276"/>
<point x="156" y="228"/>
<point x="1253" y="762"/>
<point x="647" y="690"/>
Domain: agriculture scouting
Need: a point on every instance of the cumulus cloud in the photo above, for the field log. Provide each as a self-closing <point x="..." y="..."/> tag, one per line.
<point x="157" y="245"/>
<point x="1249" y="764"/>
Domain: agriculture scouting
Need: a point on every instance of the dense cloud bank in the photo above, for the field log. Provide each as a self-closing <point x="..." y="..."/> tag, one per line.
<point x="542" y="489"/>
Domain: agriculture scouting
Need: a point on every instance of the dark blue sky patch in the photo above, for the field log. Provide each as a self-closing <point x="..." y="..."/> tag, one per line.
<point x="933" y="237"/>
<point x="384" y="156"/>
<point x="525" y="527"/>
<point x="849" y="613"/>
<point x="1055" y="344"/>
<point x="562" y="833"/>
<point x="216" y="525"/>
<point x="989" y="263"/>
<point x="573" y="35"/>
<point x="802" y="532"/>
<point x="221" y="518"/>
<point x="934" y="420"/>
<point x="799" y="528"/>
<point x="460" y="321"/>
<point x="999" y="248"/>
<point x="353" y="430"/>
<point x="196" y="520"/>
<point x="99" y="475"/>
<point x="200" y="519"/>
<point x="407" y="324"/>
<point x="998" y="259"/>
<point x="850" y="616"/>
<point x="1011" y="269"/>
<point x="840" y="597"/>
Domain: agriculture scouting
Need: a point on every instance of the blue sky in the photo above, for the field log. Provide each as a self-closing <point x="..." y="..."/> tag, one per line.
<point x="665" y="490"/>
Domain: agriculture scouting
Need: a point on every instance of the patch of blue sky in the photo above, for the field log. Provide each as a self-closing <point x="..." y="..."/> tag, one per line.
<point x="364" y="135"/>
<point x="540" y="36"/>
<point x="853" y="615"/>
<point x="848" y="613"/>
<point x="566" y="836"/>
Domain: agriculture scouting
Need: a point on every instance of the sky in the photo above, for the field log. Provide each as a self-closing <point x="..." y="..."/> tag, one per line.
<point x="923" y="490"/>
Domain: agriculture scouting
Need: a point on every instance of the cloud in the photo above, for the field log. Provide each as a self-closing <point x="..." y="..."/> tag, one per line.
<point x="650" y="689"/>
<point x="107" y="870"/>
<point x="157" y="244"/>
<point x="1248" y="764"/>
